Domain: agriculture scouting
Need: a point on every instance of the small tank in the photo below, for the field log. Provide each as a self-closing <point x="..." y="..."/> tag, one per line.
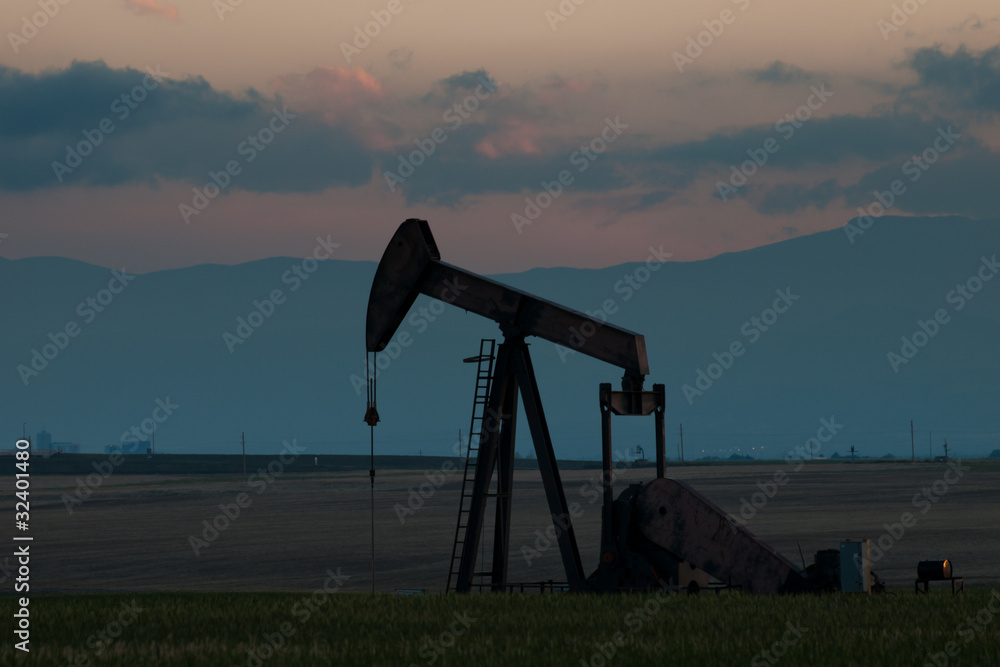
<point x="934" y="570"/>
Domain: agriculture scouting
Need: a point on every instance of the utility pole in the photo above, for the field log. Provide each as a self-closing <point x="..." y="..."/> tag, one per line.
<point x="243" y="439"/>
<point x="930" y="447"/>
<point x="682" y="444"/>
<point x="852" y="453"/>
<point x="946" y="450"/>
<point x="913" y="452"/>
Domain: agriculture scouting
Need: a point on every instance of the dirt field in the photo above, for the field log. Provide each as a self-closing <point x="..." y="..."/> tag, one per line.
<point x="133" y="532"/>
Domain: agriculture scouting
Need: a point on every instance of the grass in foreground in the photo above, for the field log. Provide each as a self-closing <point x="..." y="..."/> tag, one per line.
<point x="280" y="629"/>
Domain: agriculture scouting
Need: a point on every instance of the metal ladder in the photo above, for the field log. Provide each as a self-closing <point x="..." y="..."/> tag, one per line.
<point x="484" y="379"/>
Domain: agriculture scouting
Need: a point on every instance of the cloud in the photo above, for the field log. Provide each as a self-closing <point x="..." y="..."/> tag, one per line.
<point x="779" y="72"/>
<point x="820" y="141"/>
<point x="345" y="97"/>
<point x="515" y="137"/>
<point x="515" y="147"/>
<point x="960" y="184"/>
<point x="337" y="87"/>
<point x="400" y="57"/>
<point x="963" y="84"/>
<point x="174" y="129"/>
<point x="501" y="155"/>
<point x="444" y="91"/>
<point x="788" y="198"/>
<point x="143" y="7"/>
<point x="973" y="22"/>
<point x="963" y="79"/>
<point x="961" y="181"/>
<point x="465" y="81"/>
<point x="624" y="203"/>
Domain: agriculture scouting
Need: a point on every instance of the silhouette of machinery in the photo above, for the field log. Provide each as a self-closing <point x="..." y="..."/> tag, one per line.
<point x="660" y="532"/>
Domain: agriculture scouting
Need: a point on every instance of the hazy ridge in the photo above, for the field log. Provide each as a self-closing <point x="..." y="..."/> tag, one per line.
<point x="162" y="337"/>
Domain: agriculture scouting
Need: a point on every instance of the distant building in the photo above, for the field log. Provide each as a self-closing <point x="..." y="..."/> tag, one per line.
<point x="43" y="440"/>
<point x="43" y="446"/>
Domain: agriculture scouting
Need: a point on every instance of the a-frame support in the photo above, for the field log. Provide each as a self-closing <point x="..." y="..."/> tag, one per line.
<point x="513" y="375"/>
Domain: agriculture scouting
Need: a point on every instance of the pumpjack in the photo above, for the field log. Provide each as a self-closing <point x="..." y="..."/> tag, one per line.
<point x="659" y="532"/>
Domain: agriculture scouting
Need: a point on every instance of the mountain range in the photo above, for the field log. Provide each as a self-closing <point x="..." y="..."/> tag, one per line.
<point x="838" y="337"/>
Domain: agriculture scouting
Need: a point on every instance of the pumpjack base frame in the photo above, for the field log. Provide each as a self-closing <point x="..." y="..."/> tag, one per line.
<point x="514" y="375"/>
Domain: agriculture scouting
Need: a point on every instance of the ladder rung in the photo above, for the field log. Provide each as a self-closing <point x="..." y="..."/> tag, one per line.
<point x="481" y="399"/>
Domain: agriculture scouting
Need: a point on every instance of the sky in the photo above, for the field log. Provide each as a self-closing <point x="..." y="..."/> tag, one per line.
<point x="156" y="135"/>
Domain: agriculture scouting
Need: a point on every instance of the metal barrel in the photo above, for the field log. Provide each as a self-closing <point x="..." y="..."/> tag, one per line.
<point x="929" y="570"/>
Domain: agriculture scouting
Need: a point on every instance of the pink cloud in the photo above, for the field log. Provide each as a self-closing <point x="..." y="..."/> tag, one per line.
<point x="335" y="87"/>
<point x="341" y="96"/>
<point x="518" y="137"/>
<point x="142" y="7"/>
